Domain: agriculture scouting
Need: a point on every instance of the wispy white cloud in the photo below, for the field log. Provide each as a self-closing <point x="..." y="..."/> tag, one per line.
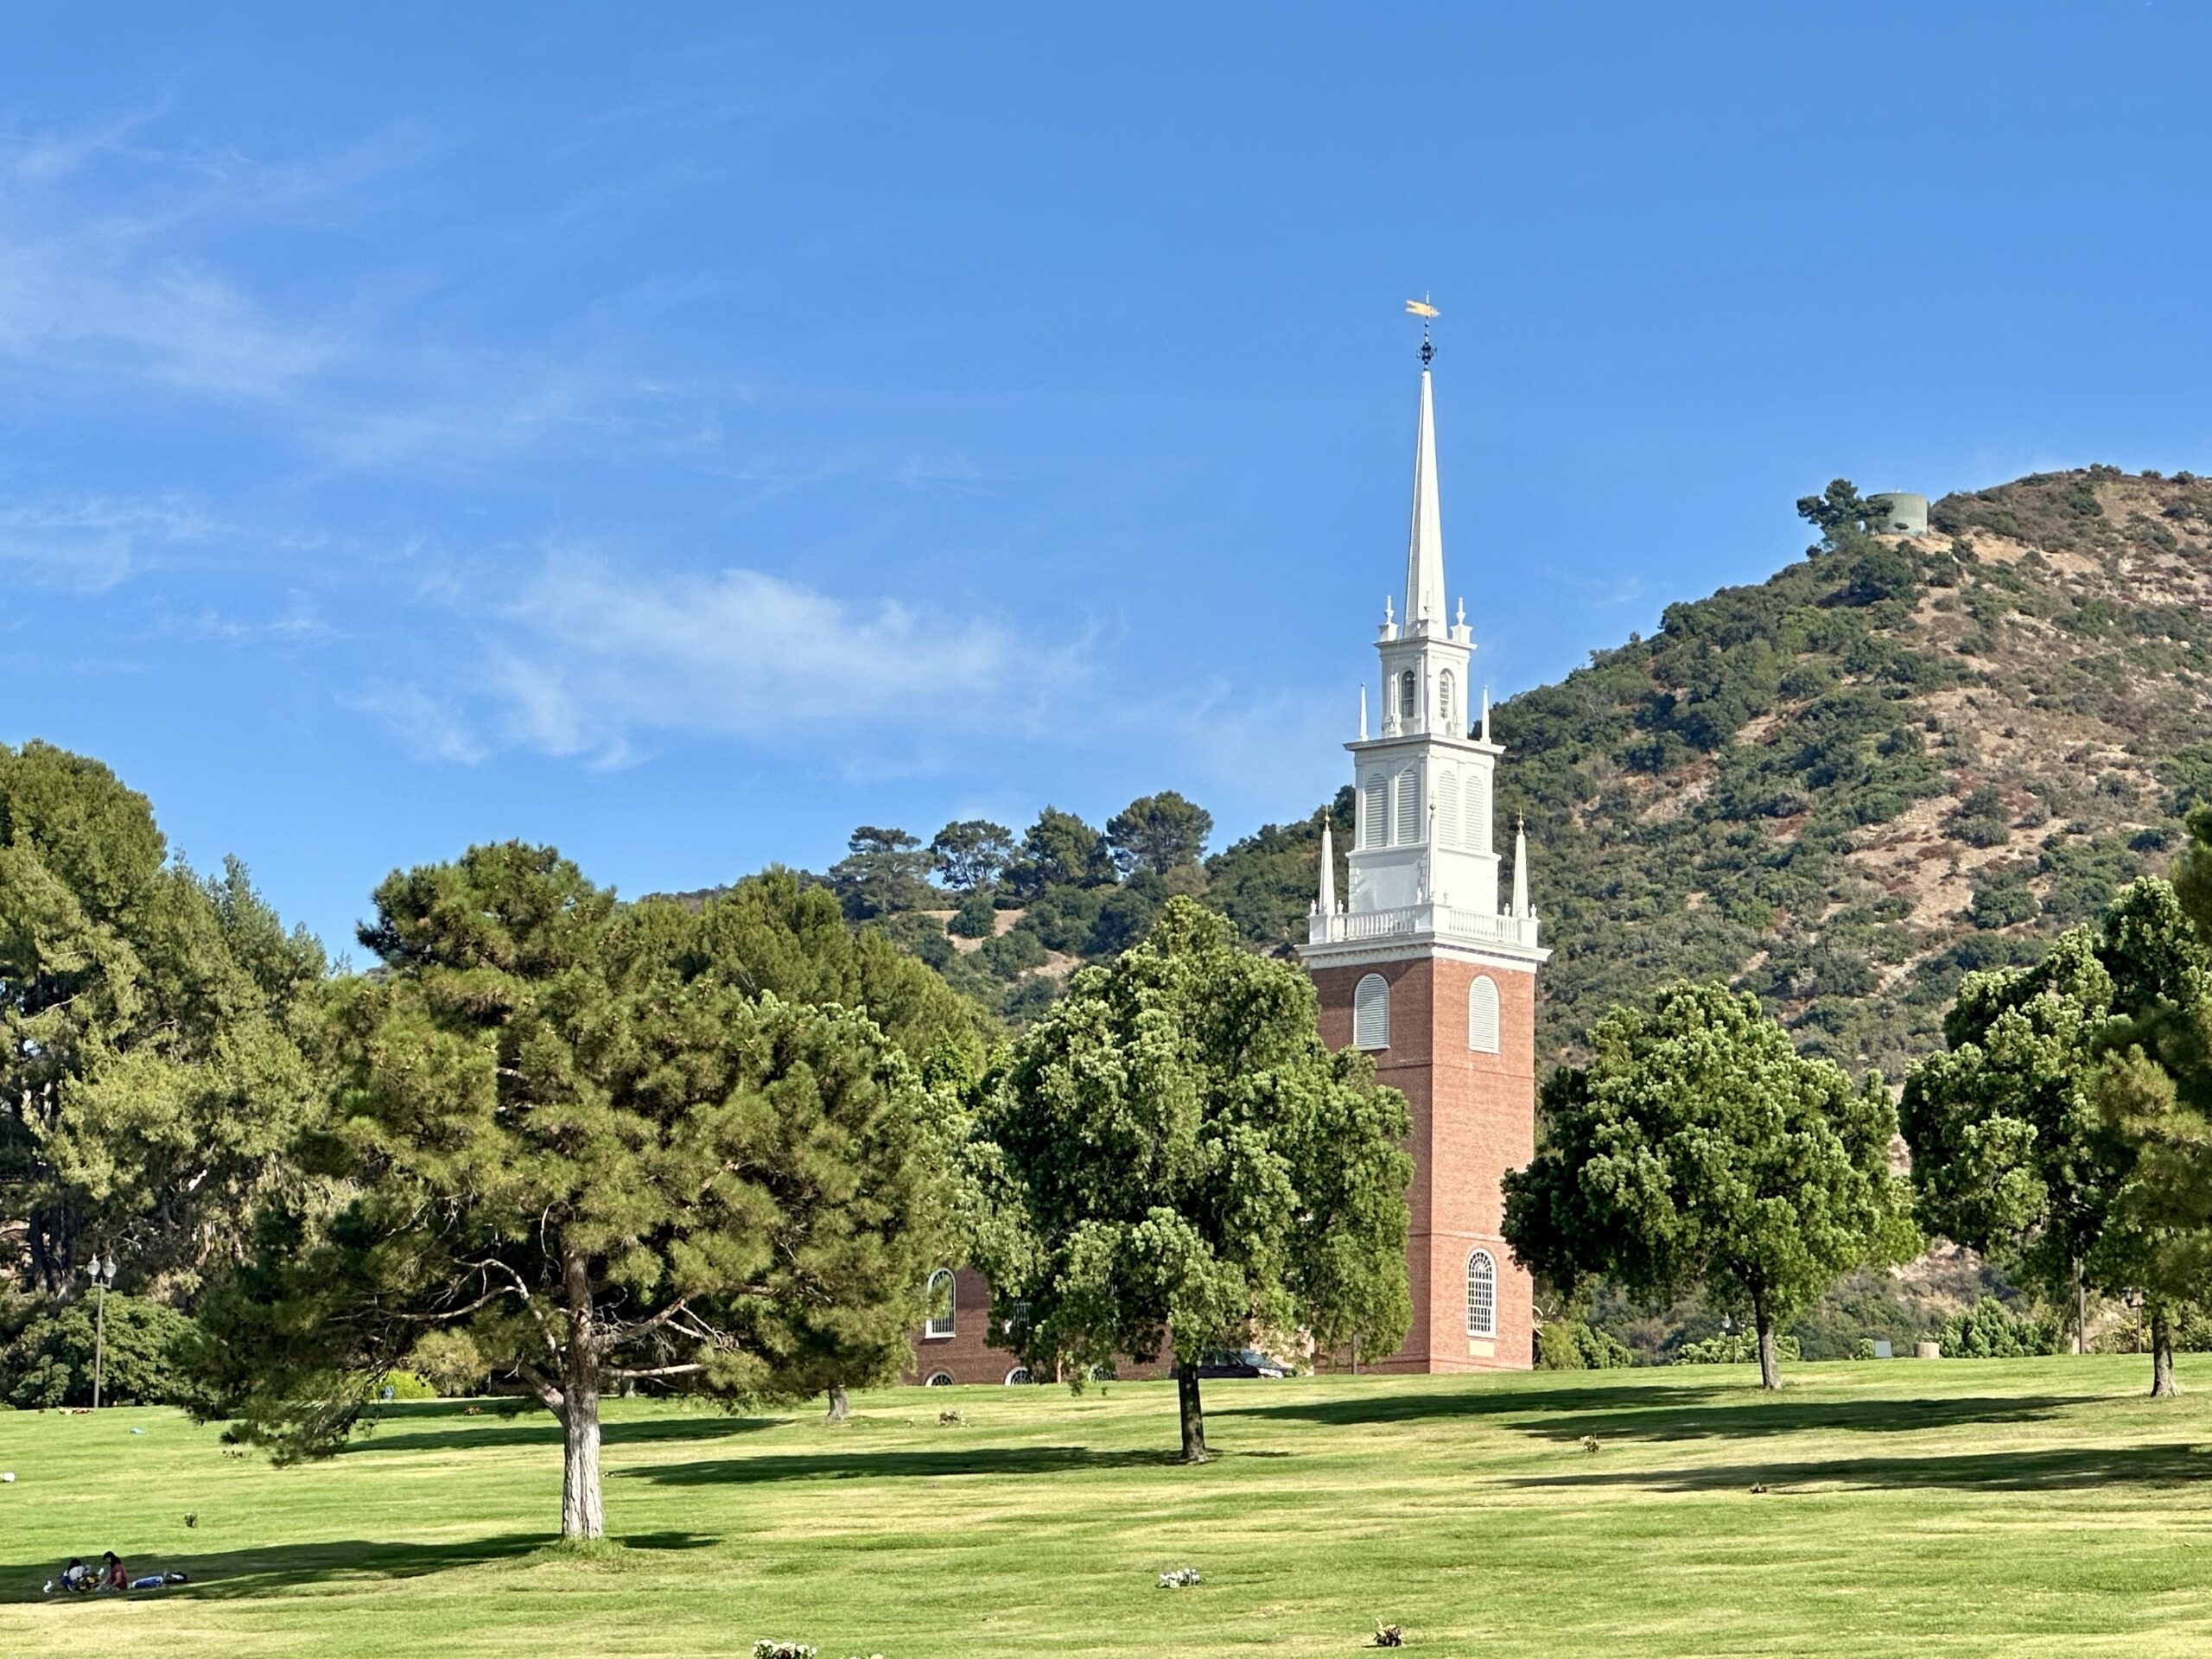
<point x="93" y="544"/>
<point x="600" y="661"/>
<point x="426" y="726"/>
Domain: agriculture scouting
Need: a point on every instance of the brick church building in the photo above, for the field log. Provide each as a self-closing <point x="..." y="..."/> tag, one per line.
<point x="1419" y="962"/>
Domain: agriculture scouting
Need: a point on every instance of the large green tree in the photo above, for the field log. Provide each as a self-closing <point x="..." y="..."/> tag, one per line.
<point x="883" y="872"/>
<point x="1699" y="1147"/>
<point x="570" y="1139"/>
<point x="1177" y="1164"/>
<point x="1159" y="833"/>
<point x="1060" y="850"/>
<point x="968" y="855"/>
<point x="2023" y="1139"/>
<point x="156" y="1031"/>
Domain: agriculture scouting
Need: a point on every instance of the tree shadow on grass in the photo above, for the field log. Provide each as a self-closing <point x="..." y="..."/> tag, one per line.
<point x="2059" y="1469"/>
<point x="538" y="1427"/>
<point x="895" y="1465"/>
<point x="1749" y="1417"/>
<point x="239" y="1573"/>
<point x="1358" y="1409"/>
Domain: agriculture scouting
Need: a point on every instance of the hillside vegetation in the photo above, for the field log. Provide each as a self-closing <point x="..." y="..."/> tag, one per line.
<point x="1896" y="760"/>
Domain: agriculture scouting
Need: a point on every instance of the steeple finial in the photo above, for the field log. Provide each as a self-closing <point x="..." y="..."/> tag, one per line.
<point x="1425" y="548"/>
<point x="1362" y="711"/>
<point x="1427" y="313"/>
<point x="1328" y="899"/>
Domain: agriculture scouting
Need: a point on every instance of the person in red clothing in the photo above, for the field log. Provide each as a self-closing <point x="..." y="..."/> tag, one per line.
<point x="113" y="1577"/>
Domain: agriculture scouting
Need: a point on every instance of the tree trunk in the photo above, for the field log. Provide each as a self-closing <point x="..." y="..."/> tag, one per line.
<point x="2081" y="1310"/>
<point x="839" y="1407"/>
<point x="2161" y="1356"/>
<point x="1769" y="1357"/>
<point x="1194" y="1422"/>
<point x="583" y="1515"/>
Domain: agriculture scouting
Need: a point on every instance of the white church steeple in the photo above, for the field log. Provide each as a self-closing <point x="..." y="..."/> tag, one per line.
<point x="1424" y="854"/>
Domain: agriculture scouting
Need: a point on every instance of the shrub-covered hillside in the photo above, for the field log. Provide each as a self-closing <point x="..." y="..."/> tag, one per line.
<point x="1894" y="760"/>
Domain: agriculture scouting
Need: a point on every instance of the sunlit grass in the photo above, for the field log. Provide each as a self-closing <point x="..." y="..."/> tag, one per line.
<point x="2021" y="1507"/>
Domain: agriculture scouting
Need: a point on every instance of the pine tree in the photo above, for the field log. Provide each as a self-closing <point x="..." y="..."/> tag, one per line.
<point x="571" y="1140"/>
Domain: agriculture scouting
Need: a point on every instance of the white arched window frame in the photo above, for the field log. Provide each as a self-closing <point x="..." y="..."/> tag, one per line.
<point x="1408" y="698"/>
<point x="1370" y="1013"/>
<point x="1408" y="806"/>
<point x="1444" y="702"/>
<point x="1019" y="1374"/>
<point x="1375" y="812"/>
<point x="942" y="1305"/>
<point x="1482" y="1294"/>
<point x="1447" y="809"/>
<point x="1482" y="1014"/>
<point x="938" y="1379"/>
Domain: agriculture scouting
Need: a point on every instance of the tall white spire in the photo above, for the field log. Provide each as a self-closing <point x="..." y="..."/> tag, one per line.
<point x="1328" y="905"/>
<point x="1425" y="548"/>
<point x="1519" y="869"/>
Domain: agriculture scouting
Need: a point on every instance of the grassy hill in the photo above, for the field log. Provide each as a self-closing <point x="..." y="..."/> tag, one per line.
<point x="2040" y="1507"/>
<point x="1894" y="760"/>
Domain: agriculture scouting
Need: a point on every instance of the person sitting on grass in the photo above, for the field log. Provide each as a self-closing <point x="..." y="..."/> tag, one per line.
<point x="113" y="1577"/>
<point x="75" y="1576"/>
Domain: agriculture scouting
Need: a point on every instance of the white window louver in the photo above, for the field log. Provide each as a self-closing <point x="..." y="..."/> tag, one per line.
<point x="1409" y="807"/>
<point x="1447" y="810"/>
<point x="1370" y="1013"/>
<point x="1482" y="1014"/>
<point x="1375" y="812"/>
<point x="1478" y="807"/>
<point x="1482" y="1294"/>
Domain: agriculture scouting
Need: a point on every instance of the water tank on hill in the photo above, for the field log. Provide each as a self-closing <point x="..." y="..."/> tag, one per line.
<point x="1904" y="514"/>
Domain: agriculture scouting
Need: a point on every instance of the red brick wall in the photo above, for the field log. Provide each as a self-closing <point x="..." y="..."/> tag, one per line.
<point x="1474" y="1118"/>
<point x="967" y="1358"/>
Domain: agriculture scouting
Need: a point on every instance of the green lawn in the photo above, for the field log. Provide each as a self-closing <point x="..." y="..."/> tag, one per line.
<point x="1993" y="1507"/>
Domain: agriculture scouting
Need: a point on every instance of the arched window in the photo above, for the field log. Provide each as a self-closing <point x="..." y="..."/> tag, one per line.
<point x="1370" y="1013"/>
<point x="1408" y="698"/>
<point x="938" y="1379"/>
<point x="1477" y="809"/>
<point x="1482" y="1014"/>
<point x="939" y="1321"/>
<point x="1019" y="1374"/>
<point x="1482" y="1294"/>
<point x="1447" y="810"/>
<point x="1444" y="703"/>
<point x="1375" y="812"/>
<point x="1408" y="806"/>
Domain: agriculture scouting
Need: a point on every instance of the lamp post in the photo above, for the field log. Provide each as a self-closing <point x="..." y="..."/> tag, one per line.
<point x="103" y="1275"/>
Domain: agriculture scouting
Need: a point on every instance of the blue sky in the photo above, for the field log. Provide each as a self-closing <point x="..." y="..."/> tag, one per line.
<point x="683" y="439"/>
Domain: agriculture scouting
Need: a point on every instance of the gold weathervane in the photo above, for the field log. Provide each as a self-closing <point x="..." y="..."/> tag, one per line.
<point x="1427" y="313"/>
